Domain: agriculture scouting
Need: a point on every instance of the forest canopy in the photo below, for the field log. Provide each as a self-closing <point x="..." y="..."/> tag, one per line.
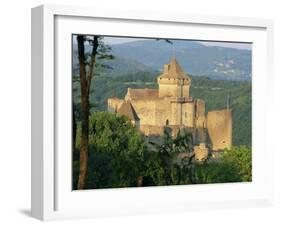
<point x="119" y="154"/>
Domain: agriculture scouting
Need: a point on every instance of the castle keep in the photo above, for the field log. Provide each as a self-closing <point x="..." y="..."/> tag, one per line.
<point x="153" y="110"/>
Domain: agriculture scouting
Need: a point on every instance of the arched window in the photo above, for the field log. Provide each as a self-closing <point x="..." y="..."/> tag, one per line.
<point x="167" y="122"/>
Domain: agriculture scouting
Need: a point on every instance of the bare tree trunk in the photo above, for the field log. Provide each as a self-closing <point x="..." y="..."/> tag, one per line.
<point x="139" y="181"/>
<point x="85" y="83"/>
<point x="84" y="152"/>
<point x="74" y="130"/>
<point x="84" y="115"/>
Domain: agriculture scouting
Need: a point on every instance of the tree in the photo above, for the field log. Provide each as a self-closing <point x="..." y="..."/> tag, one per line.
<point x="74" y="129"/>
<point x="241" y="158"/>
<point x="215" y="172"/>
<point x="235" y="165"/>
<point x="172" y="161"/>
<point x="87" y="62"/>
<point x="116" y="152"/>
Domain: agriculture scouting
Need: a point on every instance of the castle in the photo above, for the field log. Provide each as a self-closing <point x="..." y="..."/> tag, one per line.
<point x="153" y="110"/>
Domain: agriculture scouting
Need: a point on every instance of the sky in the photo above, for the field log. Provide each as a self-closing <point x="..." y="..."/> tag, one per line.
<point x="115" y="40"/>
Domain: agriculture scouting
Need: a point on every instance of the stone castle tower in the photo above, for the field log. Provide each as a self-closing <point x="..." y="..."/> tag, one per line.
<point x="174" y="82"/>
<point x="152" y="110"/>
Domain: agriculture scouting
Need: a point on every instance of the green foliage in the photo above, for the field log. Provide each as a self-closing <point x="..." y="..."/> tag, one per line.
<point x="241" y="158"/>
<point x="215" y="172"/>
<point x="119" y="154"/>
<point x="235" y="165"/>
<point x="116" y="151"/>
<point x="164" y="166"/>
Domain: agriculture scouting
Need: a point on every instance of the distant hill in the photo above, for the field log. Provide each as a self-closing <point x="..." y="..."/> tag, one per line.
<point x="118" y="67"/>
<point x="195" y="58"/>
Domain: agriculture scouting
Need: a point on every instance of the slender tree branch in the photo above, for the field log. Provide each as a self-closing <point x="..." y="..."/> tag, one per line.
<point x="93" y="61"/>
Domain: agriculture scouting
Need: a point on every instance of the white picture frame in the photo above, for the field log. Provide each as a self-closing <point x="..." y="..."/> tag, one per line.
<point x="52" y="197"/>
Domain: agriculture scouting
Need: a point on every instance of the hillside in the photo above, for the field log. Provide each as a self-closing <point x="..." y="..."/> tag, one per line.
<point x="195" y="58"/>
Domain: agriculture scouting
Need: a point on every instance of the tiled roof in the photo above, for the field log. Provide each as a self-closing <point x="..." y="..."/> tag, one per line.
<point x="174" y="70"/>
<point x="142" y="93"/>
<point x="128" y="110"/>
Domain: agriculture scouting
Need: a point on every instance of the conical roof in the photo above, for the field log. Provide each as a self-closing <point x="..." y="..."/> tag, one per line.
<point x="128" y="110"/>
<point x="174" y="70"/>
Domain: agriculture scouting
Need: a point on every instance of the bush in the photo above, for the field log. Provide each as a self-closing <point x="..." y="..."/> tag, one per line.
<point x="116" y="152"/>
<point x="235" y="165"/>
<point x="241" y="158"/>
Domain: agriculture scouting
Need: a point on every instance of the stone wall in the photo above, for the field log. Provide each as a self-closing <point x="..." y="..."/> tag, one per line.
<point x="219" y="124"/>
<point x="175" y="114"/>
<point x="188" y="114"/>
<point x="173" y="88"/>
<point x="201" y="152"/>
<point x="145" y="110"/>
<point x="150" y="130"/>
<point x="200" y="118"/>
<point x="113" y="104"/>
<point x="163" y="112"/>
<point x="168" y="90"/>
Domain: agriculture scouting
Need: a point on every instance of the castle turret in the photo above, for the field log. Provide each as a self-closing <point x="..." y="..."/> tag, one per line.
<point x="173" y="82"/>
<point x="219" y="124"/>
